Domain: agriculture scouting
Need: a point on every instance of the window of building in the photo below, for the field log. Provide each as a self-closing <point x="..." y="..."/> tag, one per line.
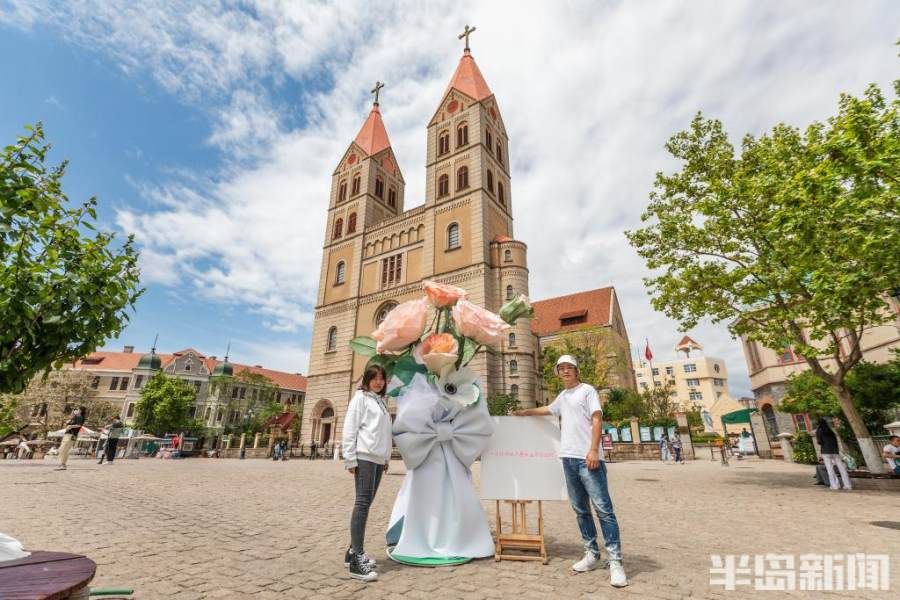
<point x="462" y="135"/>
<point x="644" y="385"/>
<point x="340" y="273"/>
<point x="655" y="372"/>
<point x="342" y="191"/>
<point x="234" y="393"/>
<point x="573" y="318"/>
<point x="695" y="396"/>
<point x="443" y="143"/>
<point x="513" y="367"/>
<point x="443" y="185"/>
<point x="716" y="368"/>
<point x="95" y="382"/>
<point x="669" y="371"/>
<point x="331" y="343"/>
<point x="243" y="393"/>
<point x="382" y="312"/>
<point x="453" y="236"/>
<point x="753" y="356"/>
<point x="509" y="292"/>
<point x="490" y="181"/>
<point x="138" y="381"/>
<point x="351" y="223"/>
<point x="338" y="229"/>
<point x="391" y="270"/>
<point x="690" y="368"/>
<point x="501" y="195"/>
<point x="499" y="153"/>
<point x="197" y="385"/>
<point x="512" y="340"/>
<point x="130" y="412"/>
<point x="786" y="356"/>
<point x="219" y="416"/>
<point x="379" y="187"/>
<point x="693" y="382"/>
<point x="123" y="385"/>
<point x="392" y="197"/>
<point x="507" y="256"/>
<point x="462" y="178"/>
<point x="800" y="421"/>
<point x="514" y="391"/>
<point x="488" y="140"/>
<point x="114" y="383"/>
<point x="355" y="189"/>
<point x="719" y="382"/>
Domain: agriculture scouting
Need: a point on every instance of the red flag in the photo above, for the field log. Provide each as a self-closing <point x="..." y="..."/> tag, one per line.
<point x="647" y="353"/>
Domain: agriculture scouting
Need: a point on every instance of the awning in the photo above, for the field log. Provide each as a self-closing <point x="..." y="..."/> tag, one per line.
<point x="738" y="416"/>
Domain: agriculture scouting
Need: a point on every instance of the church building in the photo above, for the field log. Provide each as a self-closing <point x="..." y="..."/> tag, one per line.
<point x="377" y="253"/>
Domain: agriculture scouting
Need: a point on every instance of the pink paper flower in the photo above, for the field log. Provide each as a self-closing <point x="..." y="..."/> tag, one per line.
<point x="402" y="326"/>
<point x="443" y="294"/>
<point x="477" y="323"/>
<point x="439" y="350"/>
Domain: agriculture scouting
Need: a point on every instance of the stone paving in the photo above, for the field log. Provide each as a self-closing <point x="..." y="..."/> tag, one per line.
<point x="206" y="528"/>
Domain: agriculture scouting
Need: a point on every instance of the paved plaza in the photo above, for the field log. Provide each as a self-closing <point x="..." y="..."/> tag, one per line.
<point x="206" y="528"/>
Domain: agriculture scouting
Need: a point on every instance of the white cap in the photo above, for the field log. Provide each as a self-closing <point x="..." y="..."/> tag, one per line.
<point x="566" y="359"/>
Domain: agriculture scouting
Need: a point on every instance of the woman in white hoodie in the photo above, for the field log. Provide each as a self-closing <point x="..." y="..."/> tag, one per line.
<point x="366" y="444"/>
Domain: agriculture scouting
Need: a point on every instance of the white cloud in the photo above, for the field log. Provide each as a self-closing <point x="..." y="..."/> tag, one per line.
<point x="589" y="92"/>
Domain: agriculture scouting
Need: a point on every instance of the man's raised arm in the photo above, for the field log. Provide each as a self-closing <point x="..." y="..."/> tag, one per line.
<point x="539" y="411"/>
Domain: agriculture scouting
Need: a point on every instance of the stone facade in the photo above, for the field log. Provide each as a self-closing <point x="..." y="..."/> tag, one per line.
<point x="376" y="254"/>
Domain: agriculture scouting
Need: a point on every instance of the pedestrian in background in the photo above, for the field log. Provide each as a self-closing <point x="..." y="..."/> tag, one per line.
<point x="831" y="455"/>
<point x="73" y="426"/>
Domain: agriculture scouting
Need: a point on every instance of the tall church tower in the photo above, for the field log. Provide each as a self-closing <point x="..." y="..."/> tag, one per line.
<point x="376" y="254"/>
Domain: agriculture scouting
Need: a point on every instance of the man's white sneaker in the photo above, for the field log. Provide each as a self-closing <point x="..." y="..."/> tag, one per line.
<point x="617" y="574"/>
<point x="587" y="563"/>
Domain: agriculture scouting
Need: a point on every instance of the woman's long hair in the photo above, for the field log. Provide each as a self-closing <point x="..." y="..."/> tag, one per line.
<point x="370" y="374"/>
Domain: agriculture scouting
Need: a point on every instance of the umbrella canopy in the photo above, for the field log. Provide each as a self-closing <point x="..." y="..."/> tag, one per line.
<point x="83" y="432"/>
<point x="738" y="416"/>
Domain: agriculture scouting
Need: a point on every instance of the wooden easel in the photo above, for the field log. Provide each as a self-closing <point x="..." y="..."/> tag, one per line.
<point x="519" y="538"/>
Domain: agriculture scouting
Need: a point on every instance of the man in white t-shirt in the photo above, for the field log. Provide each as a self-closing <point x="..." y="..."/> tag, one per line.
<point x="891" y="453"/>
<point x="578" y="405"/>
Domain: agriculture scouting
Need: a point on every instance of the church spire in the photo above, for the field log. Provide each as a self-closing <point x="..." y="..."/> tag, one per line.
<point x="373" y="137"/>
<point x="468" y="78"/>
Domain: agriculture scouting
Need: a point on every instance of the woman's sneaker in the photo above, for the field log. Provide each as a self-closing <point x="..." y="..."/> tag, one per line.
<point x="617" y="574"/>
<point x="587" y="563"/>
<point x="366" y="558"/>
<point x="361" y="570"/>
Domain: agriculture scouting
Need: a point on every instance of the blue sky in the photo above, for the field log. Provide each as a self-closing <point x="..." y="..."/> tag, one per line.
<point x="210" y="130"/>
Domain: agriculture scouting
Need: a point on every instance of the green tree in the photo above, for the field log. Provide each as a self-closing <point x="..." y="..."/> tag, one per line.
<point x="8" y="420"/>
<point x="64" y="288"/>
<point x="804" y="451"/>
<point x="500" y="405"/>
<point x="165" y="406"/>
<point x="595" y="352"/>
<point x="795" y="241"/>
<point x="660" y="405"/>
<point x="624" y="404"/>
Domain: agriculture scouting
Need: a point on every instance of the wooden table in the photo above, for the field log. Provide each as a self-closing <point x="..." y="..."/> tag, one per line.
<point x="45" y="576"/>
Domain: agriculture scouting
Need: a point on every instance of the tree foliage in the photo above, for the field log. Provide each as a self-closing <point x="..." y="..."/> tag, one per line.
<point x="596" y="353"/>
<point x="623" y="404"/>
<point x="64" y="287"/>
<point x="795" y="242"/>
<point x="500" y="405"/>
<point x="655" y="406"/>
<point x="166" y="405"/>
<point x="804" y="451"/>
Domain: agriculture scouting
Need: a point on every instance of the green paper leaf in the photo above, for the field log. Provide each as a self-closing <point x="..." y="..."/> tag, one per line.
<point x="363" y="345"/>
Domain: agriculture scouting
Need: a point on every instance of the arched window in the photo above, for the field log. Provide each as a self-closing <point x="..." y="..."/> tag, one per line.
<point x="462" y="135"/>
<point x="383" y="311"/>
<point x="443" y="185"/>
<point x="340" y="273"/>
<point x="443" y="143"/>
<point x="513" y="367"/>
<point x="379" y="187"/>
<point x="488" y="139"/>
<point x="331" y="342"/>
<point x="342" y="194"/>
<point x="509" y="292"/>
<point x="514" y="391"/>
<point x="355" y="189"/>
<point x="512" y="340"/>
<point x="351" y="223"/>
<point x="392" y="197"/>
<point x="499" y="154"/>
<point x="453" y="236"/>
<point x="490" y="181"/>
<point x="338" y="229"/>
<point x="507" y="256"/>
<point x="501" y="197"/>
<point x="462" y="178"/>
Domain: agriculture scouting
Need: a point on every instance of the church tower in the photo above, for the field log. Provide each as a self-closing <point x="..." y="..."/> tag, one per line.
<point x="376" y="254"/>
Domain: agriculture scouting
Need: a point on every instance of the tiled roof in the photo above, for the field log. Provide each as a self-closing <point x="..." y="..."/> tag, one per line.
<point x="283" y="420"/>
<point x="593" y="304"/>
<point x="688" y="342"/>
<point x="108" y="361"/>
<point x="500" y="239"/>
<point x="469" y="80"/>
<point x="373" y="137"/>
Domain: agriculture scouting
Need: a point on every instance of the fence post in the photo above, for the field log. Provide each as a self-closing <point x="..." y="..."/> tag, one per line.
<point x="256" y="440"/>
<point x="684" y="432"/>
<point x="635" y="431"/>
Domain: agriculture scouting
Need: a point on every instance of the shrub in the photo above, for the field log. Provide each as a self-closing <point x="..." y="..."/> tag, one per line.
<point x="804" y="451"/>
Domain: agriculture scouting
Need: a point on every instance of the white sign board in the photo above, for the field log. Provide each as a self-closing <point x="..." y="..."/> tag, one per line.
<point x="521" y="462"/>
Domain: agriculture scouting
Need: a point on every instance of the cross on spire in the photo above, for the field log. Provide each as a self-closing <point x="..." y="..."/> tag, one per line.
<point x="465" y="34"/>
<point x="376" y="90"/>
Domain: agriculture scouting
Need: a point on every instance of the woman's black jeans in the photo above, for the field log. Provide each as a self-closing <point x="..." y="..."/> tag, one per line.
<point x="367" y="478"/>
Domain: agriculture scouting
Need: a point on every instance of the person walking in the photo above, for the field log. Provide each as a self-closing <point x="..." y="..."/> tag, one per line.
<point x="664" y="453"/>
<point x="677" y="448"/>
<point x="366" y="444"/>
<point x="578" y="405"/>
<point x="114" y="430"/>
<point x="831" y="455"/>
<point x="73" y="426"/>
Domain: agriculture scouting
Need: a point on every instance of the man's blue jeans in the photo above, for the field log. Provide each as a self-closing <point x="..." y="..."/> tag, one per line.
<point x="587" y="488"/>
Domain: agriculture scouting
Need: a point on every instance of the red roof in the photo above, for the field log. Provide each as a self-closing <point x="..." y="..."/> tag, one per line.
<point x="469" y="80"/>
<point x="688" y="342"/>
<point x="282" y="421"/>
<point x="109" y="361"/>
<point x="594" y="305"/>
<point x="373" y="137"/>
<point x="500" y="239"/>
